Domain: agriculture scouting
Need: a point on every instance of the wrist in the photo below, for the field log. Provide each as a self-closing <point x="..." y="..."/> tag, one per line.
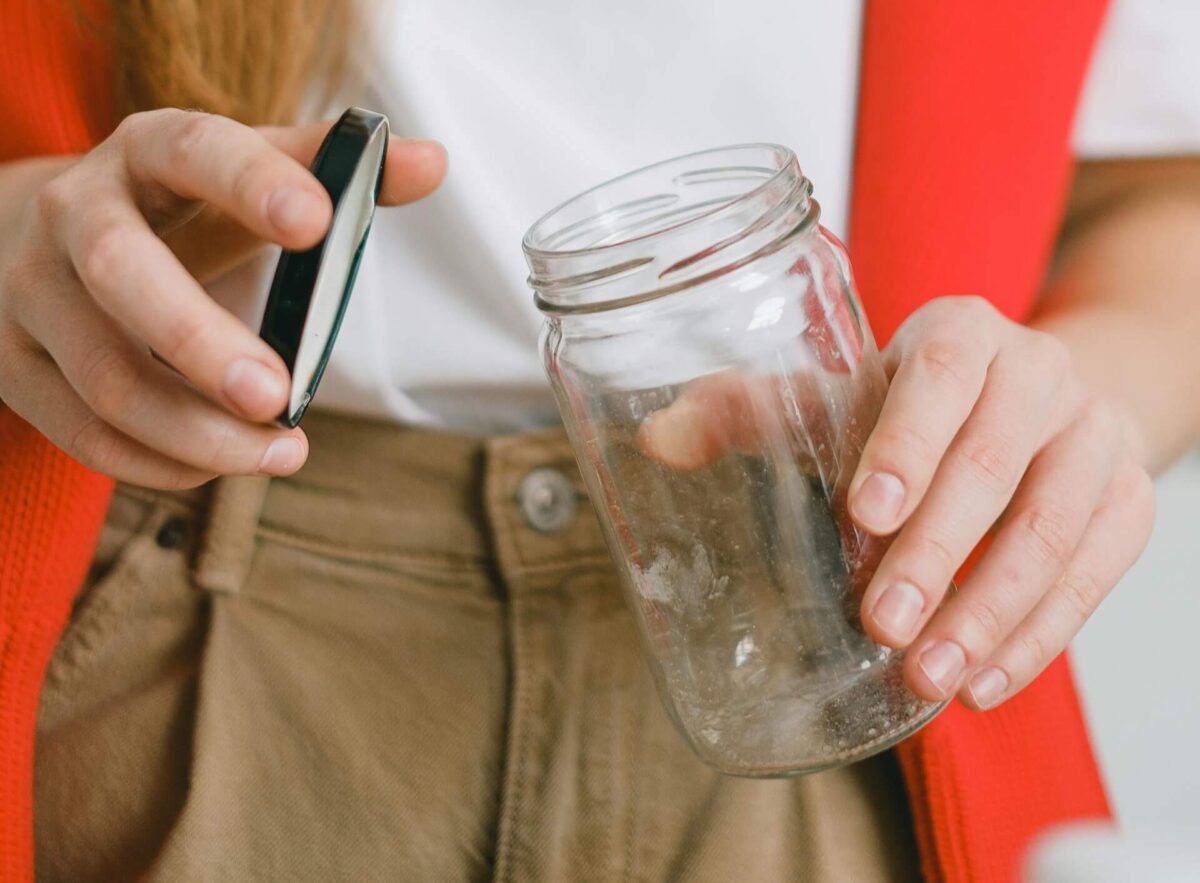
<point x="1134" y="431"/>
<point x="1118" y="355"/>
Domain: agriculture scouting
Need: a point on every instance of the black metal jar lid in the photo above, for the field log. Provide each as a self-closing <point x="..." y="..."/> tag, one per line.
<point x="311" y="288"/>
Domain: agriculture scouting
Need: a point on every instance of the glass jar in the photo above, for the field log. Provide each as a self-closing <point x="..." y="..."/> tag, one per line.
<point x="717" y="380"/>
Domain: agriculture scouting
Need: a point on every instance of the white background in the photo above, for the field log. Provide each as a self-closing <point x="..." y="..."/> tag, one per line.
<point x="1138" y="663"/>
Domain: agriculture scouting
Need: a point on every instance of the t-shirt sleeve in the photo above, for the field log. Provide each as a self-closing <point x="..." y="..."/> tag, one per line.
<point x="1142" y="95"/>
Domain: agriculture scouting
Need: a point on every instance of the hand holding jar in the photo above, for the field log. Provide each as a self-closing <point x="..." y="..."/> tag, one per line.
<point x="787" y="522"/>
<point x="984" y="424"/>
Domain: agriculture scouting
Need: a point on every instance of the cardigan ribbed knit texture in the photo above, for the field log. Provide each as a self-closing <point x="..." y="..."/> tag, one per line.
<point x="55" y="98"/>
<point x="51" y="512"/>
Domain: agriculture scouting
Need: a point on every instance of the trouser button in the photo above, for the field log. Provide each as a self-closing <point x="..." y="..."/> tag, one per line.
<point x="547" y="500"/>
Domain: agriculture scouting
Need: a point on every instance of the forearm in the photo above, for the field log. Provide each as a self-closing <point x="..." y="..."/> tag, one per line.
<point x="1125" y="298"/>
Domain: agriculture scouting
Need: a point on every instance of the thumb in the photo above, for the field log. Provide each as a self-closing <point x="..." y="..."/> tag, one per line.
<point x="732" y="412"/>
<point x="413" y="168"/>
<point x="712" y="416"/>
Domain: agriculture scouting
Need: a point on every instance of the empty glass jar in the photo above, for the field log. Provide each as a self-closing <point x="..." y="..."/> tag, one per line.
<point x="718" y="380"/>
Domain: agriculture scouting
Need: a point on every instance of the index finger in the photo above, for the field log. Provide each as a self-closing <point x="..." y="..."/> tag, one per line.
<point x="210" y="244"/>
<point x="201" y="156"/>
<point x="935" y="386"/>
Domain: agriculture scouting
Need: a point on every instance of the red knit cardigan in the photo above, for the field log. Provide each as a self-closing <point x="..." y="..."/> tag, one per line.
<point x="962" y="161"/>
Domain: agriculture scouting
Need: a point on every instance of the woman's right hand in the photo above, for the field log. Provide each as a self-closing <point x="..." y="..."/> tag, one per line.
<point x="95" y="284"/>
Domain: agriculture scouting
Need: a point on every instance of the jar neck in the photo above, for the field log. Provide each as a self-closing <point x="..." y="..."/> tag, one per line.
<point x="668" y="227"/>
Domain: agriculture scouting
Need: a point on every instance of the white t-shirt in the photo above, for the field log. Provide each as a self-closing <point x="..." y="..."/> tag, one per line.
<point x="537" y="100"/>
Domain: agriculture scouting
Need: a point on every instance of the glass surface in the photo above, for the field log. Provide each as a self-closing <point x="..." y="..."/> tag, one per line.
<point x="718" y="380"/>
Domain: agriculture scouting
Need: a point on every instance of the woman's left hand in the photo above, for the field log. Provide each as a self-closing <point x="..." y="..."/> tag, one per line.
<point x="986" y="424"/>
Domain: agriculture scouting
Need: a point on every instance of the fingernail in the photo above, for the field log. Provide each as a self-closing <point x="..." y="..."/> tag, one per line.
<point x="878" y="501"/>
<point x="283" y="457"/>
<point x="898" y="610"/>
<point x="942" y="663"/>
<point x="988" y="686"/>
<point x="254" y="387"/>
<point x="293" y="208"/>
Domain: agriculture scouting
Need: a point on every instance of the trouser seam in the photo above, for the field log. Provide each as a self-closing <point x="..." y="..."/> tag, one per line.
<point x="632" y="766"/>
<point x="516" y="751"/>
<point x="440" y="563"/>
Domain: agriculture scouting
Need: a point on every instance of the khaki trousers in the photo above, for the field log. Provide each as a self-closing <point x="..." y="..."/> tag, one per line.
<point x="409" y="662"/>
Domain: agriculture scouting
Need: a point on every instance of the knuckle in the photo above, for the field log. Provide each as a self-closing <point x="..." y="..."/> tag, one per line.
<point x="251" y="181"/>
<point x="96" y="445"/>
<point x="1050" y="353"/>
<point x="1032" y="650"/>
<point x="948" y="359"/>
<point x="224" y="453"/>
<point x="933" y="548"/>
<point x="1100" y="418"/>
<point x="53" y="200"/>
<point x="902" y="444"/>
<point x="1142" y="492"/>
<point x="105" y="255"/>
<point x="107" y="382"/>
<point x="972" y="308"/>
<point x="1135" y="491"/>
<point x="192" y="133"/>
<point x="129" y="126"/>
<point x="1138" y="485"/>
<point x="1048" y="533"/>
<point x="986" y="619"/>
<point x="991" y="463"/>
<point x="1080" y="592"/>
<point x="136" y="128"/>
<point x="184" y="342"/>
<point x="134" y="124"/>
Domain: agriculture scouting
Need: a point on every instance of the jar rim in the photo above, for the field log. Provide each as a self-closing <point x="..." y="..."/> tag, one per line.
<point x="785" y="157"/>
<point x="667" y="226"/>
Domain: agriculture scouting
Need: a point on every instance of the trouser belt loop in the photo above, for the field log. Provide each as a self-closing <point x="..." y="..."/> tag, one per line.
<point x="229" y="542"/>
